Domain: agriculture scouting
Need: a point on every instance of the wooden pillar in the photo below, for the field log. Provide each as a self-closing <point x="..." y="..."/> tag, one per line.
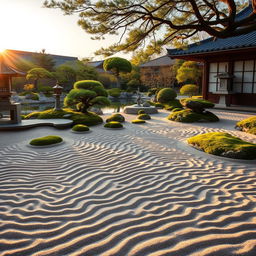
<point x="205" y="85"/>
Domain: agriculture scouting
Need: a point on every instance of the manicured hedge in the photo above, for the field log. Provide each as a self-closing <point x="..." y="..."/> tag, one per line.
<point x="116" y="117"/>
<point x="113" y="124"/>
<point x="80" y="128"/>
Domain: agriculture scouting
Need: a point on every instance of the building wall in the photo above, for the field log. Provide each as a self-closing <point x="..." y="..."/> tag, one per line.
<point x="157" y="76"/>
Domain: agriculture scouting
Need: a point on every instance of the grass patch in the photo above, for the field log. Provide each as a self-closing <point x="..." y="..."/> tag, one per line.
<point x="188" y="116"/>
<point x="47" y="140"/>
<point x="77" y="117"/>
<point x="113" y="124"/>
<point x="80" y="128"/>
<point x="224" y="144"/>
<point x="248" y="125"/>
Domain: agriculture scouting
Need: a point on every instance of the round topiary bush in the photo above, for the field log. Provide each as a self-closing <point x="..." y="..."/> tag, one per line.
<point x="189" y="89"/>
<point x="141" y="112"/>
<point x="165" y="95"/>
<point x="87" y="84"/>
<point x="224" y="144"/>
<point x="113" y="124"/>
<point x="138" y="121"/>
<point x="189" y="116"/>
<point x="47" y="140"/>
<point x="144" y="117"/>
<point x="80" y="128"/>
<point x="116" y="117"/>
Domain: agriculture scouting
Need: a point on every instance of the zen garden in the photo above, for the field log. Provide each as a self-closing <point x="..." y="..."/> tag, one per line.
<point x="147" y="155"/>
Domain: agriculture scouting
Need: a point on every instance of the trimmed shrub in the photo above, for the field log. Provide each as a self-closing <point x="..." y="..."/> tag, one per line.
<point x="113" y="124"/>
<point x="248" y="125"/>
<point x="144" y="117"/>
<point x="138" y="121"/>
<point x="80" y="128"/>
<point x="116" y="117"/>
<point x="47" y="140"/>
<point x="87" y="84"/>
<point x="140" y="112"/>
<point x="165" y="95"/>
<point x="114" y="92"/>
<point x="224" y="144"/>
<point x="189" y="89"/>
<point x="188" y="116"/>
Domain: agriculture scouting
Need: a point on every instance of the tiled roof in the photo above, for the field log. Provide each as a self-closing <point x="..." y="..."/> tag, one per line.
<point x="95" y="63"/>
<point x="213" y="44"/>
<point x="161" y="61"/>
<point x="7" y="70"/>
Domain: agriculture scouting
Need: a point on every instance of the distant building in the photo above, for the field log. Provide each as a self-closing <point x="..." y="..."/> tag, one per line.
<point x="28" y="56"/>
<point x="157" y="72"/>
<point x="229" y="66"/>
<point x="98" y="65"/>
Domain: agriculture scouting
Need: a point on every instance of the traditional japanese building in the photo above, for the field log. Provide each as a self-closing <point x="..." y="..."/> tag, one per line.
<point x="229" y="66"/>
<point x="157" y="72"/>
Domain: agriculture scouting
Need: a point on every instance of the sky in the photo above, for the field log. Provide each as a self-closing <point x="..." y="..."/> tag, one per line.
<point x="26" y="26"/>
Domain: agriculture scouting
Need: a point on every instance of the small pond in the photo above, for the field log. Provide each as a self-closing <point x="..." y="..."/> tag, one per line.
<point x="116" y="106"/>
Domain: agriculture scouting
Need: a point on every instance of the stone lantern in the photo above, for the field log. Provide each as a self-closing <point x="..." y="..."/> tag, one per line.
<point x="14" y="109"/>
<point x="224" y="88"/>
<point x="57" y="92"/>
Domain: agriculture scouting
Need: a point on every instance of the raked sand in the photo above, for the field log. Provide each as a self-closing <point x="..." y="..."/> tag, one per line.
<point x="139" y="191"/>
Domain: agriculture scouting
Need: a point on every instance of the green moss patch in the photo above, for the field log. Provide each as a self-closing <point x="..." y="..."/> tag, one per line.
<point x="140" y="112"/>
<point x="138" y="121"/>
<point x="172" y="104"/>
<point x="188" y="116"/>
<point x="80" y="128"/>
<point x="248" y="125"/>
<point x="224" y="144"/>
<point x="77" y="117"/>
<point x="144" y="117"/>
<point x="45" y="141"/>
<point x="116" y="117"/>
<point x="113" y="124"/>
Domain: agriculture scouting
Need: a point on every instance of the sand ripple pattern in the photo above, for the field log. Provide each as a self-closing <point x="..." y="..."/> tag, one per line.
<point x="128" y="192"/>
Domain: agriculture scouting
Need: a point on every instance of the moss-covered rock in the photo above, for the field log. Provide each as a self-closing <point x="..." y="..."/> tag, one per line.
<point x="177" y="109"/>
<point x="116" y="117"/>
<point x="248" y="125"/>
<point x="201" y="102"/>
<point x="165" y="95"/>
<point x="172" y="104"/>
<point x="159" y="105"/>
<point x="138" y="121"/>
<point x="224" y="144"/>
<point x="144" y="117"/>
<point x="113" y="124"/>
<point x="80" y="128"/>
<point x="188" y="116"/>
<point x="47" y="140"/>
<point x="77" y="117"/>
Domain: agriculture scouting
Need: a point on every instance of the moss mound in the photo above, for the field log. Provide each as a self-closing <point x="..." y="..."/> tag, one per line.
<point x="47" y="140"/>
<point x="248" y="125"/>
<point x="224" y="144"/>
<point x="202" y="102"/>
<point x="113" y="124"/>
<point x="159" y="105"/>
<point x="116" y="117"/>
<point x="80" y="128"/>
<point x="188" y="116"/>
<point x="177" y="109"/>
<point x="140" y="112"/>
<point x="77" y="117"/>
<point x="138" y="121"/>
<point x="172" y="104"/>
<point x="144" y="117"/>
